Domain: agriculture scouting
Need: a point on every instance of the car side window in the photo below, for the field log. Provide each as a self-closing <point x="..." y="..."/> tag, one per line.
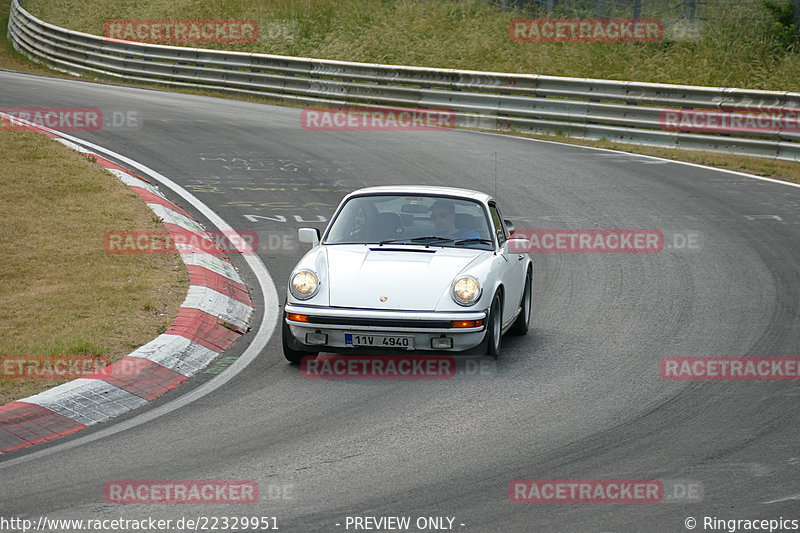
<point x="497" y="222"/>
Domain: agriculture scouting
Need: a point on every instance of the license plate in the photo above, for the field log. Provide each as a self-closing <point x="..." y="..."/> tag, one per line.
<point x="396" y="341"/>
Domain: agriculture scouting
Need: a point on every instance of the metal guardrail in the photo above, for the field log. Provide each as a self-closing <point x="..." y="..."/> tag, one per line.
<point x="628" y="112"/>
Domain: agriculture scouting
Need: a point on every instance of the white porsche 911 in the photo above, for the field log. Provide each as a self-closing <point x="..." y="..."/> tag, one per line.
<point x="430" y="269"/>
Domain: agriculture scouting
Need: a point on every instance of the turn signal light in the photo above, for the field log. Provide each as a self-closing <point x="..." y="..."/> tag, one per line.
<point x="294" y="317"/>
<point x="466" y="323"/>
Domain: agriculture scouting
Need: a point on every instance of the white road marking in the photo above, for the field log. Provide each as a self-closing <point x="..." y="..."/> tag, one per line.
<point x="784" y="499"/>
<point x="763" y="217"/>
<point x="651" y="157"/>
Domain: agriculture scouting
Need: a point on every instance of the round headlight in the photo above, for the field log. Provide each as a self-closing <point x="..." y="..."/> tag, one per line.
<point x="304" y="284"/>
<point x="466" y="290"/>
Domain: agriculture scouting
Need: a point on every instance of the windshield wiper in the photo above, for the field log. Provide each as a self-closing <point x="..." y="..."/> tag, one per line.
<point x="416" y="239"/>
<point x="466" y="241"/>
<point x="420" y="239"/>
<point x="430" y="240"/>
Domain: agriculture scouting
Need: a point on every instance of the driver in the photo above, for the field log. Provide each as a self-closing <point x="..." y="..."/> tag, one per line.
<point x="443" y="214"/>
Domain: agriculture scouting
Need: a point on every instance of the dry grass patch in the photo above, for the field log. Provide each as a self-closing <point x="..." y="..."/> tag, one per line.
<point x="61" y="293"/>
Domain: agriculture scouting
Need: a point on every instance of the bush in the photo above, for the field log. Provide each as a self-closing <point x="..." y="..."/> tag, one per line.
<point x="785" y="28"/>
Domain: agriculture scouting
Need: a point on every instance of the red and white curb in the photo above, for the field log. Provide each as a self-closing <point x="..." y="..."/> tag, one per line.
<point x="217" y="309"/>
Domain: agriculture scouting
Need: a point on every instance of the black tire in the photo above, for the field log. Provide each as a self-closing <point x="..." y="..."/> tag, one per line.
<point x="289" y="352"/>
<point x="521" y="324"/>
<point x="494" y="330"/>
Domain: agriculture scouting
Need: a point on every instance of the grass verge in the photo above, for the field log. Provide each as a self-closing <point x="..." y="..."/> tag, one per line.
<point x="61" y="293"/>
<point x="9" y="58"/>
<point x="469" y="34"/>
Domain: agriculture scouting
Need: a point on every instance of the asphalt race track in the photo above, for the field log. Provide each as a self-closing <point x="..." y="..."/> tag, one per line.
<point x="580" y="397"/>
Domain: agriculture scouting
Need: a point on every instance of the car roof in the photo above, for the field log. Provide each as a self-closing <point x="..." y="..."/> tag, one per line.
<point x="423" y="189"/>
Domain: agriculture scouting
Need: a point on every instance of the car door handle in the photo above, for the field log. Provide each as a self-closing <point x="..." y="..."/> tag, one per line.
<point x="520" y="257"/>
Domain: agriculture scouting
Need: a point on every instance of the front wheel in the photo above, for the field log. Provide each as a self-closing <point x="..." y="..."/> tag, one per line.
<point x="292" y="355"/>
<point x="520" y="326"/>
<point x="494" y="333"/>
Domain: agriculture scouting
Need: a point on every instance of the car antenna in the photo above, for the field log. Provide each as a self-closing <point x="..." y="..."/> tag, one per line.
<point x="495" y="174"/>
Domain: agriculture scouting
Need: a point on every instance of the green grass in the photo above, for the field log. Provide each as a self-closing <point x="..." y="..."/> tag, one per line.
<point x="11" y="59"/>
<point x="467" y="34"/>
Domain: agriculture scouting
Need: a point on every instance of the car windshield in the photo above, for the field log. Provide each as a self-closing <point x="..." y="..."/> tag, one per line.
<point x="418" y="220"/>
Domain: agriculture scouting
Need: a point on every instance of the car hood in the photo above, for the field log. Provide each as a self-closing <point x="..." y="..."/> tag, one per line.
<point x="409" y="277"/>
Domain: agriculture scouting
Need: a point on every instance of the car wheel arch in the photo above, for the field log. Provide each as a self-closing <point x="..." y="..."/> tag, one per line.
<point x="501" y="290"/>
<point x="494" y="325"/>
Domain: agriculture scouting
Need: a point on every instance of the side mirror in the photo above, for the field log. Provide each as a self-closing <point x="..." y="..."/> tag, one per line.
<point x="519" y="243"/>
<point x="509" y="225"/>
<point x="308" y="235"/>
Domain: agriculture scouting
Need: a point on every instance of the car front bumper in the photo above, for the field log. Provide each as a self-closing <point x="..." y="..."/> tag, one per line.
<point x="424" y="326"/>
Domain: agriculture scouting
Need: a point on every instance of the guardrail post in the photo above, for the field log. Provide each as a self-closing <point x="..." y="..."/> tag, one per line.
<point x="691" y="10"/>
<point x="637" y="9"/>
